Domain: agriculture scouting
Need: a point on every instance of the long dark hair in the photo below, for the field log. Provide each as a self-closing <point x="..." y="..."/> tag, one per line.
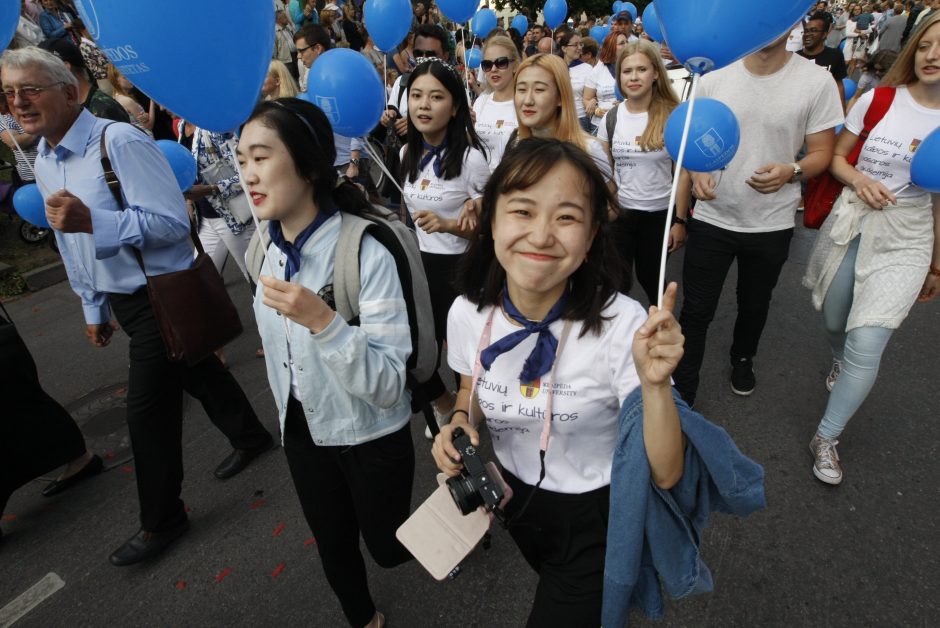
<point x="480" y="277"/>
<point x="460" y="134"/>
<point x="308" y="136"/>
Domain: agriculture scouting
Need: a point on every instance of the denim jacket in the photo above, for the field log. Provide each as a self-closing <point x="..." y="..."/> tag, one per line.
<point x="653" y="534"/>
<point x="351" y="379"/>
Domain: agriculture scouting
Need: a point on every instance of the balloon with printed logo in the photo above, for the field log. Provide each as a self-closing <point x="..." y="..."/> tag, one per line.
<point x="28" y="203"/>
<point x="709" y="35"/>
<point x="629" y="6"/>
<point x="474" y="58"/>
<point x="713" y="139"/>
<point x="208" y="76"/>
<point x="850" y="87"/>
<point x="346" y="86"/>
<point x="925" y="167"/>
<point x="483" y="23"/>
<point x="520" y="23"/>
<point x="182" y="162"/>
<point x="597" y="32"/>
<point x="459" y="11"/>
<point x="387" y="21"/>
<point x="555" y="12"/>
<point x="651" y="23"/>
<point x="9" y="19"/>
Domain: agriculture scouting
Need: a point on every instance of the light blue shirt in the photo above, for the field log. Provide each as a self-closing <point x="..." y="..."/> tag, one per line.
<point x="154" y="221"/>
<point x="344" y="147"/>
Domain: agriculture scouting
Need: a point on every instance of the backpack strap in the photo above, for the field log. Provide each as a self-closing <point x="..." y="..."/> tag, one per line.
<point x="347" y="283"/>
<point x="611" y="121"/>
<point x="879" y="106"/>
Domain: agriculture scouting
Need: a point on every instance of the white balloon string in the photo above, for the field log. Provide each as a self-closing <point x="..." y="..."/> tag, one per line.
<point x="674" y="191"/>
<point x="381" y="164"/>
<point x="466" y="56"/>
<point x="22" y="153"/>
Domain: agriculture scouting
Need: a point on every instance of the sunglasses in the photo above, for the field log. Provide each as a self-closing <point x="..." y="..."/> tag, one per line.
<point x="425" y="53"/>
<point x="500" y="64"/>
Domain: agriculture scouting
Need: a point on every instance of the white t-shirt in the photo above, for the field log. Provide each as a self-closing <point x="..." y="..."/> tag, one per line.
<point x="775" y="114"/>
<point x="495" y="123"/>
<point x="602" y="81"/>
<point x="644" y="178"/>
<point x="579" y="75"/>
<point x="889" y="149"/>
<point x="593" y="376"/>
<point x="445" y="198"/>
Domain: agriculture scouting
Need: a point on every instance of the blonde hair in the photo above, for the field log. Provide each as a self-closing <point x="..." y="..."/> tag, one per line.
<point x="506" y="44"/>
<point x="567" y="126"/>
<point x="663" y="98"/>
<point x="114" y="76"/>
<point x="902" y="72"/>
<point x="287" y="86"/>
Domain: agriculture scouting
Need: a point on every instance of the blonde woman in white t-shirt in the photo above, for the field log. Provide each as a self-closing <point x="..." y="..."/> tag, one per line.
<point x="642" y="167"/>
<point x="494" y="109"/>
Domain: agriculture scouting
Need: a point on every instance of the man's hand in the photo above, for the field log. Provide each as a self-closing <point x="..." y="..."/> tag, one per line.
<point x="703" y="186"/>
<point x="770" y="178"/>
<point x="199" y="191"/>
<point x="100" y="335"/>
<point x="67" y="213"/>
<point x="352" y="171"/>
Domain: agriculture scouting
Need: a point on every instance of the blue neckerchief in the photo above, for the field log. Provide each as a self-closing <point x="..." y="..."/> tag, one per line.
<point x="292" y="250"/>
<point x="575" y="63"/>
<point x="542" y="358"/>
<point x="435" y="153"/>
<point x="612" y="69"/>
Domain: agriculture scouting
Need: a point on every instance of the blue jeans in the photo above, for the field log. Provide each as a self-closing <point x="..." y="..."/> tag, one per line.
<point x="859" y="350"/>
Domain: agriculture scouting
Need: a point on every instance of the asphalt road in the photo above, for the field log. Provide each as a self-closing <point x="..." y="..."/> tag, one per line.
<point x="862" y="554"/>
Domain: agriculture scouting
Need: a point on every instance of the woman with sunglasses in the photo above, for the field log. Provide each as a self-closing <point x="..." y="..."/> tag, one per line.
<point x="600" y="89"/>
<point x="578" y="73"/>
<point x="494" y="109"/>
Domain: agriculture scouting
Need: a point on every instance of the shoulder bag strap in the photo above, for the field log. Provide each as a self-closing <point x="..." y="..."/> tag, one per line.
<point x="879" y="106"/>
<point x="611" y="122"/>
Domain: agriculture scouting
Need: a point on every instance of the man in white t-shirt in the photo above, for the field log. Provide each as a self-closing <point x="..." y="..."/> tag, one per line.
<point x="746" y="211"/>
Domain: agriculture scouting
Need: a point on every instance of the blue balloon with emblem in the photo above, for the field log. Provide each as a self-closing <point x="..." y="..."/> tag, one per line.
<point x="555" y="12"/>
<point x="925" y="166"/>
<point x="629" y="6"/>
<point x="483" y="23"/>
<point x="706" y="36"/>
<point x="28" y="203"/>
<point x="9" y="19"/>
<point x="474" y="58"/>
<point x="850" y="87"/>
<point x="520" y="23"/>
<point x="209" y="76"/>
<point x="714" y="135"/>
<point x="346" y="86"/>
<point x="651" y="23"/>
<point x="182" y="162"/>
<point x="387" y="21"/>
<point x="459" y="11"/>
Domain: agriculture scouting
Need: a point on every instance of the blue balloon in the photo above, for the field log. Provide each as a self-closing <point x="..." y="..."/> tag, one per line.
<point x="520" y="23"/>
<point x="28" y="203"/>
<point x="474" y="57"/>
<point x="850" y="87"/>
<point x="839" y="129"/>
<point x="706" y="36"/>
<point x="459" y="11"/>
<point x="387" y="21"/>
<point x="629" y="6"/>
<point x="555" y="12"/>
<point x="651" y="23"/>
<point x="9" y="19"/>
<point x="483" y="23"/>
<point x="208" y="76"/>
<point x="925" y="167"/>
<point x="842" y="45"/>
<point x="714" y="135"/>
<point x="597" y="32"/>
<point x="345" y="85"/>
<point x="182" y="162"/>
<point x="616" y="7"/>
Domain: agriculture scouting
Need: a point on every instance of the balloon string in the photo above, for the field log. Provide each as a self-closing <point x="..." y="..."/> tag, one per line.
<point x="22" y="153"/>
<point x="675" y="189"/>
<point x="466" y="58"/>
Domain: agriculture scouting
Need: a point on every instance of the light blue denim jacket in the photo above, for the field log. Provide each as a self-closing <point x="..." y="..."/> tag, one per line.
<point x="653" y="534"/>
<point x="352" y="379"/>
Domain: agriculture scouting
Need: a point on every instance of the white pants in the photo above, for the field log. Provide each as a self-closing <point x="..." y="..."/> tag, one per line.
<point x="218" y="241"/>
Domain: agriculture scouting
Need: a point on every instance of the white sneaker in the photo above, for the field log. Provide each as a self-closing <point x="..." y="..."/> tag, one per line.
<point x="833" y="374"/>
<point x="826" y="465"/>
<point x="441" y="418"/>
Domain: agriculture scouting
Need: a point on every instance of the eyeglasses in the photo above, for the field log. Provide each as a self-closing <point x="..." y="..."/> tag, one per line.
<point x="500" y="64"/>
<point x="577" y="45"/>
<point x="28" y="93"/>
<point x="300" y="51"/>
<point x="425" y="53"/>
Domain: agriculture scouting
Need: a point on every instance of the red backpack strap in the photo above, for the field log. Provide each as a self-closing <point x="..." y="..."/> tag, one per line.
<point x="879" y="106"/>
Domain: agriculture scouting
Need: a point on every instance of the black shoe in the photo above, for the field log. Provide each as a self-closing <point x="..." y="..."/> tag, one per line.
<point x="236" y="461"/>
<point x="144" y="545"/>
<point x="742" y="376"/>
<point x="91" y="469"/>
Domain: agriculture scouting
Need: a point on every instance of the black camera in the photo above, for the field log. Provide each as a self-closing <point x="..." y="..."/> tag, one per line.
<point x="475" y="486"/>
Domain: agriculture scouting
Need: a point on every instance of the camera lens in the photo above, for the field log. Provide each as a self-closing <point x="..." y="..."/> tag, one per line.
<point x="464" y="493"/>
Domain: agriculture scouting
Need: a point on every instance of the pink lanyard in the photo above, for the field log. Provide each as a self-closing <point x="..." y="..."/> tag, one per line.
<point x="478" y="370"/>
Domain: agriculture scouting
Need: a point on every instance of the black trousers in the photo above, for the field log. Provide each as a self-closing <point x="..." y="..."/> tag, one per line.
<point x="36" y="433"/>
<point x="639" y="238"/>
<point x="345" y="491"/>
<point x="441" y="271"/>
<point x="155" y="410"/>
<point x="708" y="256"/>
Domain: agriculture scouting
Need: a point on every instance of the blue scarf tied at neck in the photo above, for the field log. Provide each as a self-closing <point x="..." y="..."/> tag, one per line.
<point x="435" y="153"/>
<point x="292" y="250"/>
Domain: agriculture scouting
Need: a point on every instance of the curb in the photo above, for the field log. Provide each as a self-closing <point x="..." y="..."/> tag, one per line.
<point x="45" y="276"/>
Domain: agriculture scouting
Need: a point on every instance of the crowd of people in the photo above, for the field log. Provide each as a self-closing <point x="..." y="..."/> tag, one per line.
<point x="537" y="186"/>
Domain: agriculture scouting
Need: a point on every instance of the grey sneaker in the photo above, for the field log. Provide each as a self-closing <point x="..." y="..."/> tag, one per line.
<point x="826" y="465"/>
<point x="833" y="374"/>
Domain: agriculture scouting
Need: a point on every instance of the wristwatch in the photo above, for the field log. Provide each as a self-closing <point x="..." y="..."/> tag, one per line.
<point x="354" y="162"/>
<point x="797" y="173"/>
<point x="679" y="221"/>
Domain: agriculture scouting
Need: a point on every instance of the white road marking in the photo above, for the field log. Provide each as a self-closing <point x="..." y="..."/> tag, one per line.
<point x="30" y="599"/>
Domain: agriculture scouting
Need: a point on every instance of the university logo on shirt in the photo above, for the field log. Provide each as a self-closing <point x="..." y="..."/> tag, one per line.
<point x="914" y="145"/>
<point x="499" y="124"/>
<point x="637" y="139"/>
<point x="531" y="390"/>
<point x="424" y="184"/>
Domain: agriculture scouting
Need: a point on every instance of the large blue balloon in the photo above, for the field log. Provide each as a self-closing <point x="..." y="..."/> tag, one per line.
<point x="651" y="23"/>
<point x="597" y="32"/>
<point x="459" y="11"/>
<point x="210" y="76"/>
<point x="483" y="22"/>
<point x="387" y="21"/>
<point x="28" y="203"/>
<point x="925" y="167"/>
<point x="555" y="12"/>
<point x="616" y="7"/>
<point x="709" y="35"/>
<point x="520" y="23"/>
<point x="474" y="58"/>
<point x="182" y="162"/>
<point x="9" y="18"/>
<point x="345" y="85"/>
<point x="850" y="87"/>
<point x="629" y="6"/>
<point x="714" y="135"/>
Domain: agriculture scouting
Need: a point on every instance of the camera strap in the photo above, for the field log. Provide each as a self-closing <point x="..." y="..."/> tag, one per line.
<point x="485" y="341"/>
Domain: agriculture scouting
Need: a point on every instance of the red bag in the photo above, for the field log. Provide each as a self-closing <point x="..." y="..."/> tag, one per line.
<point x="823" y="190"/>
